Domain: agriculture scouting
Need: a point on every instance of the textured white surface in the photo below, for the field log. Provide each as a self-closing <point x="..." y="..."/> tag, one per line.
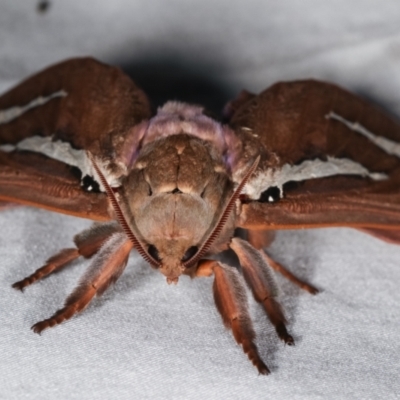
<point x="148" y="340"/>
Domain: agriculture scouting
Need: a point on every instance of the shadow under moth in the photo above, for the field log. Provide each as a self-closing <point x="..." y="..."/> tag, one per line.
<point x="80" y="138"/>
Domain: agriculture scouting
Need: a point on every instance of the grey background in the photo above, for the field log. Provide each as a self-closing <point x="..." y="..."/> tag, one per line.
<point x="145" y="339"/>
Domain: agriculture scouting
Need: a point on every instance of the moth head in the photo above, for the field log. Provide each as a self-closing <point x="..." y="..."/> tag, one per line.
<point x="174" y="194"/>
<point x="177" y="207"/>
<point x="172" y="226"/>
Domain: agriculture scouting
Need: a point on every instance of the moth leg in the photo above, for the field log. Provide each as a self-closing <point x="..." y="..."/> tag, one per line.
<point x="87" y="242"/>
<point x="262" y="239"/>
<point x="261" y="282"/>
<point x="53" y="264"/>
<point x="105" y="269"/>
<point x="287" y="274"/>
<point x="90" y="241"/>
<point x="231" y="301"/>
<point x="205" y="268"/>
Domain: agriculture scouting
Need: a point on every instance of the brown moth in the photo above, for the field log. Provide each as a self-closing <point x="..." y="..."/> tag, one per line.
<point x="79" y="138"/>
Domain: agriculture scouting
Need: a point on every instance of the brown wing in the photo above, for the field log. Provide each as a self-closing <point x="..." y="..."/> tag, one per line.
<point x="307" y="121"/>
<point x="83" y="102"/>
<point x="34" y="179"/>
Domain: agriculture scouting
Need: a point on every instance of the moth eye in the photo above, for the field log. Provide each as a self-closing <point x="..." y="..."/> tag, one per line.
<point x="89" y="184"/>
<point x="271" y="195"/>
<point x="152" y="250"/>
<point x="190" y="252"/>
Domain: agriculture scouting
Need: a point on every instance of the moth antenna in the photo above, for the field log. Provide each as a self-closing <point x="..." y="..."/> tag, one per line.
<point x="224" y="217"/>
<point x="121" y="217"/>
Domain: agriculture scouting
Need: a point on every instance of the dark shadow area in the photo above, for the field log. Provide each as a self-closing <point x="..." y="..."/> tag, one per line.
<point x="169" y="78"/>
<point x="43" y="6"/>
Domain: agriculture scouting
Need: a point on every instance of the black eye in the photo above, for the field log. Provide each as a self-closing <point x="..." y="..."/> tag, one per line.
<point x="270" y="195"/>
<point x="152" y="250"/>
<point x="89" y="184"/>
<point x="190" y="252"/>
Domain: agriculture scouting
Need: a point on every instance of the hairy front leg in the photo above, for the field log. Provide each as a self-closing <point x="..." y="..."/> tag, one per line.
<point x="261" y="282"/>
<point x="231" y="301"/>
<point x="105" y="269"/>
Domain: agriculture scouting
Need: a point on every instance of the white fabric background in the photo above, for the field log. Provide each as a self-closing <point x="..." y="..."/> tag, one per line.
<point x="145" y="339"/>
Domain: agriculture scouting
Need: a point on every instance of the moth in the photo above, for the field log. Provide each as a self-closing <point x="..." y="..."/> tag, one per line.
<point x="80" y="138"/>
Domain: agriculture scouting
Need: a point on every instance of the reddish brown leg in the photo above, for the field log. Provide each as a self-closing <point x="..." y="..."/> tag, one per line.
<point x="55" y="263"/>
<point x="91" y="240"/>
<point x="261" y="282"/>
<point x="204" y="268"/>
<point x="231" y="301"/>
<point x="287" y="274"/>
<point x="262" y="239"/>
<point x="106" y="268"/>
<point x="88" y="243"/>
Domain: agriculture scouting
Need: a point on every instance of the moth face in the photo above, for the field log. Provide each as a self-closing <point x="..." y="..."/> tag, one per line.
<point x="175" y="197"/>
<point x="173" y="226"/>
